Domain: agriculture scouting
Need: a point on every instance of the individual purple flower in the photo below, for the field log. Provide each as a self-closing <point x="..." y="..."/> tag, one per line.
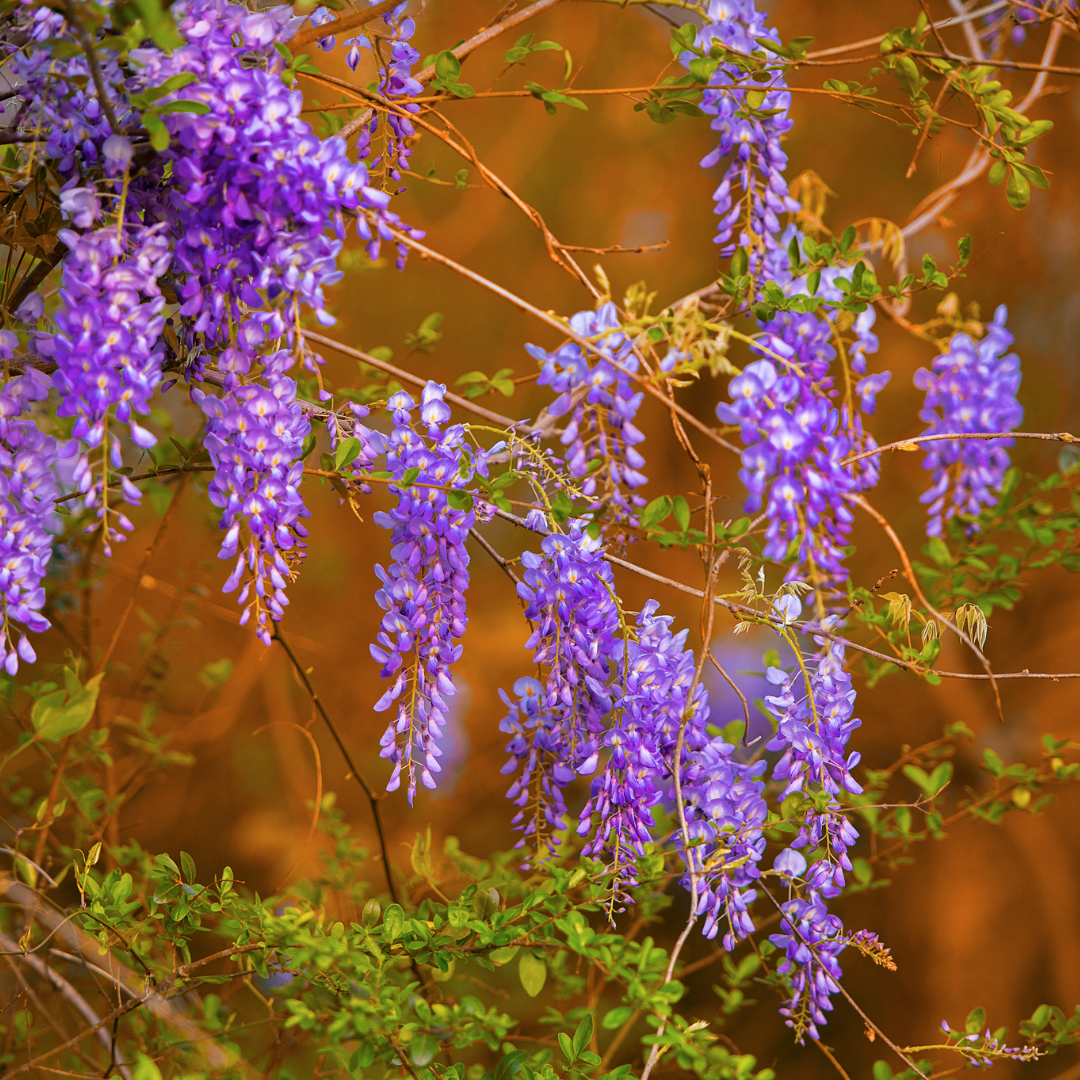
<point x="595" y="389"/>
<point x="971" y="388"/>
<point x="423" y="592"/>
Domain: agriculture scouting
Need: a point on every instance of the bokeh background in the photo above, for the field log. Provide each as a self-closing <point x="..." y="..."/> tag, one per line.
<point x="992" y="915"/>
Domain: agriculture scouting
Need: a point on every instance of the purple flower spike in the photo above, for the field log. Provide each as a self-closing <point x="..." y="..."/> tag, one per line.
<point x="971" y="388"/>
<point x="423" y="592"/>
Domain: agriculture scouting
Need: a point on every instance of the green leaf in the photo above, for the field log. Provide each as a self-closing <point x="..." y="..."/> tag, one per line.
<point x="510" y="1065"/>
<point x="616" y="1017"/>
<point x="393" y="922"/>
<point x="423" y="1048"/>
<point x="200" y="108"/>
<point x="159" y="133"/>
<point x="1018" y="190"/>
<point x="188" y="865"/>
<point x="583" y="1034"/>
<point x="655" y="512"/>
<point x="409" y="477"/>
<point x="447" y="67"/>
<point x="532" y="972"/>
<point x="681" y="510"/>
<point x="158" y="22"/>
<point x="61" y="713"/>
<point x="919" y="778"/>
<point x="976" y="1021"/>
<point x="907" y="75"/>
<point x="998" y="171"/>
<point x="460" y="500"/>
<point x="348" y="450"/>
<point x="939" y="551"/>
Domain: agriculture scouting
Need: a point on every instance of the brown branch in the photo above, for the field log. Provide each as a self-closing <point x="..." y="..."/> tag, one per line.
<point x="911" y="444"/>
<point x="489" y="33"/>
<point x="159" y="535"/>
<point x="72" y="997"/>
<point x="312" y="34"/>
<point x="86" y="40"/>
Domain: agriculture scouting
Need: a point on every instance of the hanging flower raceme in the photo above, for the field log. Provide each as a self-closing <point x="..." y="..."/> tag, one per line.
<point x="753" y="192"/>
<point x="253" y="188"/>
<point x="650" y="687"/>
<point x="595" y="388"/>
<point x="57" y="97"/>
<point x="971" y="388"/>
<point x="814" y="712"/>
<point x="255" y="434"/>
<point x="108" y="353"/>
<point x="396" y="57"/>
<point x="423" y="591"/>
<point x="660" y="715"/>
<point x="576" y="637"/>
<point x="27" y="512"/>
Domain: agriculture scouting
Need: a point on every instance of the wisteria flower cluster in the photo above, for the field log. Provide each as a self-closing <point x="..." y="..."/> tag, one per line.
<point x="753" y="192"/>
<point x="971" y="388"/>
<point x="814" y="707"/>
<point x="27" y="511"/>
<point x="796" y="445"/>
<point x="595" y="389"/>
<point x="423" y="592"/>
<point x="558" y="721"/>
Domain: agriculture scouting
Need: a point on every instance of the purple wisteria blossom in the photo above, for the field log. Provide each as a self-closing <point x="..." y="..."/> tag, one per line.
<point x="423" y="592"/>
<point x="57" y="97"/>
<point x="557" y="731"/>
<point x="753" y="192"/>
<point x="109" y="353"/>
<point x="595" y="389"/>
<point x="651" y="688"/>
<point x="254" y="189"/>
<point x="814" y="724"/>
<point x="255" y="435"/>
<point x="27" y="512"/>
<point x="796" y="436"/>
<point x="793" y="462"/>
<point x="971" y="388"/>
<point x="396" y="57"/>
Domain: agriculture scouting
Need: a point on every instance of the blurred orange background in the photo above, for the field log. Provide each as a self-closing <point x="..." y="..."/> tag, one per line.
<point x="991" y="916"/>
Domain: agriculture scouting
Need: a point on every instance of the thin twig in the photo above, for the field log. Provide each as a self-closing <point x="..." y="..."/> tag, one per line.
<point x="73" y="998"/>
<point x="373" y="799"/>
<point x="159" y="535"/>
<point x="909" y="572"/>
<point x="910" y="444"/>
<point x="86" y="40"/>
<point x="812" y="628"/>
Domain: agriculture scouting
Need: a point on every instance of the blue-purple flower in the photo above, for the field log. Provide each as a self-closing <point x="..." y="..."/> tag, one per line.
<point x="971" y="388"/>
<point x="596" y="393"/>
<point x="423" y="592"/>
